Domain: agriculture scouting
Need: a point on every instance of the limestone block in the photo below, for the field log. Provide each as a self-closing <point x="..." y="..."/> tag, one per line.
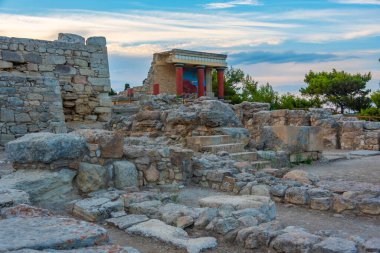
<point x="297" y="195"/>
<point x="6" y="115"/>
<point x="54" y="59"/>
<point x="104" y="100"/>
<point x="42" y="186"/>
<point x="291" y="138"/>
<point x="301" y="176"/>
<point x="64" y="69"/>
<point x="33" y="58"/>
<point x="6" y="65"/>
<point x="100" y="41"/>
<point x="294" y="239"/>
<point x="125" y="174"/>
<point x="22" y="117"/>
<point x="102" y="109"/>
<point x="335" y="245"/>
<point x="91" y="177"/>
<point x="45" y="147"/>
<point x="11" y="56"/>
<point x="12" y="197"/>
<point x="70" y="38"/>
<point x="320" y="203"/>
<point x="298" y="118"/>
<point x="110" y="143"/>
<point x="99" y="81"/>
<point x="81" y="63"/>
<point x="368" y="125"/>
<point x="79" y="79"/>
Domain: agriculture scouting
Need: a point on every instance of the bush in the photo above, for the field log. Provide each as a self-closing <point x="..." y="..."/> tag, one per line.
<point x="375" y="97"/>
<point x="371" y="112"/>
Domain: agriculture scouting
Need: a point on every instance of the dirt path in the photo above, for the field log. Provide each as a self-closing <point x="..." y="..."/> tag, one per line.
<point x="365" y="169"/>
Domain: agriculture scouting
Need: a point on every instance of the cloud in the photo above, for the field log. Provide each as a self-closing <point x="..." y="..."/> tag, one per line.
<point x="231" y="4"/>
<point x="370" y="2"/>
<point x="255" y="57"/>
<point x="284" y="75"/>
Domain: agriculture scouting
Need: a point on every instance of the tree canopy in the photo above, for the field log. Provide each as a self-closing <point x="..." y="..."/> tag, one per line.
<point x="344" y="90"/>
<point x="375" y="97"/>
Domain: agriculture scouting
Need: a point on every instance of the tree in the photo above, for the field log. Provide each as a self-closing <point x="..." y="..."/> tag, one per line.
<point x="112" y="92"/>
<point x="290" y="101"/>
<point x="375" y="97"/>
<point x="233" y="78"/>
<point x="126" y="86"/>
<point x="249" y="88"/>
<point x="344" y="90"/>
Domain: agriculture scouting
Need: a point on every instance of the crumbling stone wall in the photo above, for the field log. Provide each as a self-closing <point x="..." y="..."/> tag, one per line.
<point x="29" y="104"/>
<point x="80" y="67"/>
<point x="338" y="132"/>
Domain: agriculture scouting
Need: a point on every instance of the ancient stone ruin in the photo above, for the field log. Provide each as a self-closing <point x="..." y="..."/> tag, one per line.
<point x="45" y="83"/>
<point x="167" y="174"/>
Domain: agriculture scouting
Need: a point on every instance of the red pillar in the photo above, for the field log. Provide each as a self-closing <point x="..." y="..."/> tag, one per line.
<point x="156" y="89"/>
<point x="201" y="81"/>
<point x="179" y="79"/>
<point x="220" y="83"/>
<point x="130" y="92"/>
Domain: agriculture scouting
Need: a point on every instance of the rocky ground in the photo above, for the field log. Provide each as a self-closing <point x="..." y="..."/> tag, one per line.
<point x="358" y="169"/>
<point x="348" y="173"/>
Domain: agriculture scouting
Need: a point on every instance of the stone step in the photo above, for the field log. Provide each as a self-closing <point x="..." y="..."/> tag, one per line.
<point x="230" y="148"/>
<point x="244" y="156"/>
<point x="198" y="142"/>
<point x="259" y="165"/>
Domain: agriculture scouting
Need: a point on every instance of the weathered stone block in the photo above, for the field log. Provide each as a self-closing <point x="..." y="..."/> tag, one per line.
<point x="126" y="174"/>
<point x="100" y="41"/>
<point x="320" y="203"/>
<point x="291" y="138"/>
<point x="110" y="143"/>
<point x="6" y="65"/>
<point x="11" y="56"/>
<point x="64" y="69"/>
<point x="49" y="233"/>
<point x="70" y="38"/>
<point x="7" y="115"/>
<point x="91" y="177"/>
<point x="297" y="195"/>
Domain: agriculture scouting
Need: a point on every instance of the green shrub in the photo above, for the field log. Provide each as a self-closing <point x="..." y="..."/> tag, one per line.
<point x="371" y="112"/>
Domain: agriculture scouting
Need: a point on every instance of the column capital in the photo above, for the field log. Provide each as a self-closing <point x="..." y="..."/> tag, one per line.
<point x="179" y="65"/>
<point x="221" y="68"/>
<point x="200" y="66"/>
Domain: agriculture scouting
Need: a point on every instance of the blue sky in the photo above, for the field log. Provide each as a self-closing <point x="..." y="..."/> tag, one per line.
<point x="274" y="41"/>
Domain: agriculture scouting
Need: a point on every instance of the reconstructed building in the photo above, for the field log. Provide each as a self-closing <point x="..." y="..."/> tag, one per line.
<point x="182" y="71"/>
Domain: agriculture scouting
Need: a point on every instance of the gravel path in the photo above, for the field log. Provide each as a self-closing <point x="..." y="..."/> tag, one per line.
<point x="366" y="169"/>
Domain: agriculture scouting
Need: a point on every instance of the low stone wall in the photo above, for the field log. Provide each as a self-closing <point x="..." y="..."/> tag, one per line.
<point x="29" y="104"/>
<point x="102" y="159"/>
<point x="338" y="132"/>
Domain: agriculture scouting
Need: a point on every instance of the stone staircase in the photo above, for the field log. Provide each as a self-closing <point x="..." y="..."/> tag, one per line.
<point x="234" y="146"/>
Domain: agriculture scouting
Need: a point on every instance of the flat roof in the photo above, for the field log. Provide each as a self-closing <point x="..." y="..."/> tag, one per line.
<point x="195" y="53"/>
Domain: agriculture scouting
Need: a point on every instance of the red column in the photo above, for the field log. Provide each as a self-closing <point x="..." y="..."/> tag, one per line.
<point x="220" y="83"/>
<point x="179" y="79"/>
<point x="156" y="89"/>
<point x="201" y="81"/>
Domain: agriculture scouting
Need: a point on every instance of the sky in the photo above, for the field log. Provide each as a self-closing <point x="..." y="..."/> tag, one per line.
<point x="275" y="41"/>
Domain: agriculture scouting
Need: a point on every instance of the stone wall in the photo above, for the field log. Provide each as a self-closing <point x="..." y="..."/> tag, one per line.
<point x="162" y="73"/>
<point x="80" y="67"/>
<point x="338" y="132"/>
<point x="102" y="159"/>
<point x="29" y="104"/>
